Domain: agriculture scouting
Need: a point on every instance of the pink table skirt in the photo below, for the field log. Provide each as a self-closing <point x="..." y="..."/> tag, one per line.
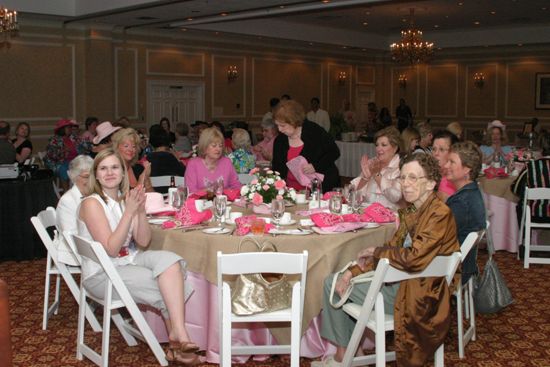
<point x="504" y="224"/>
<point x="201" y="316"/>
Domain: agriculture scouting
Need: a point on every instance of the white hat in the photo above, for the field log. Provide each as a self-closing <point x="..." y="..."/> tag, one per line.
<point x="104" y="130"/>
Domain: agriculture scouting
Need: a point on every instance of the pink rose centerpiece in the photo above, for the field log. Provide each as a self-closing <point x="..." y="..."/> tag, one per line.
<point x="266" y="185"/>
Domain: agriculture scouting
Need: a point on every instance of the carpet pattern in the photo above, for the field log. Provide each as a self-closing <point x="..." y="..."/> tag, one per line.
<point x="517" y="336"/>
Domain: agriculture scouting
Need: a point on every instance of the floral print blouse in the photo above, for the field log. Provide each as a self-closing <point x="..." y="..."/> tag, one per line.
<point x="242" y="160"/>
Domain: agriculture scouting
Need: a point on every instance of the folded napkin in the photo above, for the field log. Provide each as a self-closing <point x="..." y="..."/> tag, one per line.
<point x="377" y="213"/>
<point x="245" y="222"/>
<point x="261" y="209"/>
<point x="307" y="213"/>
<point x="188" y="215"/>
<point x="295" y="166"/>
<point x="340" y="227"/>
<point x="231" y="194"/>
<point x="493" y="172"/>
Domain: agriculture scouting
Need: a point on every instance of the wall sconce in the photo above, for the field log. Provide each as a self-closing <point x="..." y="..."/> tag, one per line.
<point x="232" y="73"/>
<point x="479" y="80"/>
<point x="402" y="81"/>
<point x="342" y="76"/>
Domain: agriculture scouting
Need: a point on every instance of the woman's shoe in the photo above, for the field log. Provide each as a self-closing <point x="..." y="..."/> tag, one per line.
<point x="186" y="359"/>
<point x="184" y="347"/>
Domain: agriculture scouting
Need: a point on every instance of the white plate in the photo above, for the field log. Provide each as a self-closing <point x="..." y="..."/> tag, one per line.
<point x="158" y="220"/>
<point x="292" y="221"/>
<point x="294" y="232"/>
<point x="216" y="230"/>
<point x="372" y="225"/>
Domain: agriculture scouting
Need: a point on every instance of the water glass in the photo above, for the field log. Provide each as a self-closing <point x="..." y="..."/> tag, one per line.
<point x="356" y="199"/>
<point x="177" y="199"/>
<point x="335" y="203"/>
<point x="220" y="204"/>
<point x="277" y="210"/>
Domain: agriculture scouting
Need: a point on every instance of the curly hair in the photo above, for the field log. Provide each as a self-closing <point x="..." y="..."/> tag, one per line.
<point x="127" y="134"/>
<point x="470" y="156"/>
<point x="429" y="165"/>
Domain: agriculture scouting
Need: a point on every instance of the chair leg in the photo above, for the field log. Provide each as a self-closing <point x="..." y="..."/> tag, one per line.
<point x="57" y="293"/>
<point x="380" y="342"/>
<point x="295" y="327"/>
<point x="81" y="323"/>
<point x="471" y="308"/>
<point x="439" y="358"/>
<point x="460" y="322"/>
<point x="46" y="294"/>
<point x="121" y="326"/>
<point x="225" y="347"/>
<point x="527" y="243"/>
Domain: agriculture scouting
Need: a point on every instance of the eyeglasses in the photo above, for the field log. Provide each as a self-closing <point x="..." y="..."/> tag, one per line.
<point x="84" y="176"/>
<point x="442" y="150"/>
<point x="410" y="178"/>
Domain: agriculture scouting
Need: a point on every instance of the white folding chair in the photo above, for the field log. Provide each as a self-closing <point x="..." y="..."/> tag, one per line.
<point x="163" y="181"/>
<point x="257" y="262"/>
<point x="379" y="322"/>
<point x="464" y="295"/>
<point x="111" y="303"/>
<point x="245" y="178"/>
<point x="45" y="219"/>
<point x="532" y="195"/>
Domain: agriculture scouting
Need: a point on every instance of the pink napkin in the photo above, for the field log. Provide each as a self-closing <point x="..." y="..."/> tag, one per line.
<point x="322" y="220"/>
<point x="295" y="166"/>
<point x="377" y="213"/>
<point x="261" y="209"/>
<point x="342" y="227"/>
<point x="493" y="172"/>
<point x="231" y="194"/>
<point x="307" y="213"/>
<point x="244" y="223"/>
<point x="188" y="215"/>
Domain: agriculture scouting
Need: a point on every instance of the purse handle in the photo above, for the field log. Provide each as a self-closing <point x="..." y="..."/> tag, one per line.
<point x="266" y="245"/>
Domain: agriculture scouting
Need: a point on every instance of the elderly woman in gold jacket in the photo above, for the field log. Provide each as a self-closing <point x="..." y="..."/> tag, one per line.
<point x="421" y="306"/>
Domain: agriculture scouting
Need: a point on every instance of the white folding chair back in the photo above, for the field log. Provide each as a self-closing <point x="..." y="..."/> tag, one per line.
<point x="162" y="181"/>
<point x="464" y="295"/>
<point x="95" y="252"/>
<point x="245" y="178"/>
<point x="379" y="322"/>
<point x="45" y="219"/>
<point x="260" y="262"/>
<point x="532" y="195"/>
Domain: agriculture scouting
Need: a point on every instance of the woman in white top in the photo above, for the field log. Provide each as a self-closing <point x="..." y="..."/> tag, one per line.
<point x="114" y="216"/>
<point x="379" y="175"/>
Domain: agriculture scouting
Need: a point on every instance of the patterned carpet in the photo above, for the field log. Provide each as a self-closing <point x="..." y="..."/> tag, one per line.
<point x="518" y="336"/>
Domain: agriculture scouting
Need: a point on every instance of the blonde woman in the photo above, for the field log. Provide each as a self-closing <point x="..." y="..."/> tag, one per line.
<point x="410" y="138"/>
<point x="242" y="157"/>
<point x="210" y="166"/>
<point x="127" y="143"/>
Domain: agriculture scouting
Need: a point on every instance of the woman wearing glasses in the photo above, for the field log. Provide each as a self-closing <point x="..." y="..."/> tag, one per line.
<point x="440" y="150"/>
<point x="421" y="306"/>
<point x="207" y="169"/>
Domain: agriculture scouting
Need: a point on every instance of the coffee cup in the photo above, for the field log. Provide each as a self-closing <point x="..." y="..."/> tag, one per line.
<point x="286" y="218"/>
<point x="345" y="209"/>
<point x="233" y="216"/>
<point x="300" y="198"/>
<point x="199" y="204"/>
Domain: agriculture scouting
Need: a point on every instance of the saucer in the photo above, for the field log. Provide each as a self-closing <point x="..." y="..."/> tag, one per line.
<point x="289" y="223"/>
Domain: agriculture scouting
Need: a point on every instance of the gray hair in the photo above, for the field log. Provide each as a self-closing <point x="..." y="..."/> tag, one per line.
<point x="78" y="165"/>
<point x="268" y="124"/>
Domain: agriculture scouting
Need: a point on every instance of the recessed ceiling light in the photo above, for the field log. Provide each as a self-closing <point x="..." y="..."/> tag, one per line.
<point x="520" y="44"/>
<point x="446" y="16"/>
<point x="311" y="43"/>
<point x="493" y="12"/>
<point x="344" y="47"/>
<point x="436" y="25"/>
<point x="281" y="6"/>
<point x="365" y="23"/>
<point x="363" y="49"/>
<point x="326" y="1"/>
<point x="477" y="22"/>
<point x="223" y="14"/>
<point x="189" y="18"/>
<point x="460" y="3"/>
<point x="184" y="29"/>
<point x="367" y="13"/>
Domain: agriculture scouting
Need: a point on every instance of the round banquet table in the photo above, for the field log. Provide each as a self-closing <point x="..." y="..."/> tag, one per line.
<point x="19" y="201"/>
<point x="349" y="163"/>
<point x="501" y="202"/>
<point x="327" y="254"/>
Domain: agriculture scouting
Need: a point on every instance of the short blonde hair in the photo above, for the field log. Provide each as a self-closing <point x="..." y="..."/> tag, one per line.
<point x="94" y="187"/>
<point x="241" y="139"/>
<point x="408" y="135"/>
<point x="127" y="134"/>
<point x="208" y="136"/>
<point x="392" y="134"/>
<point x="290" y="112"/>
<point x="456" y="129"/>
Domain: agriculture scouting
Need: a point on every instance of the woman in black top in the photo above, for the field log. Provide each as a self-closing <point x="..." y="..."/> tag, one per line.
<point x="21" y="143"/>
<point x="307" y="139"/>
<point x="163" y="161"/>
<point x="165" y="124"/>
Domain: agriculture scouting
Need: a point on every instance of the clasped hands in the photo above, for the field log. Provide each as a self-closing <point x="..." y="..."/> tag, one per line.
<point x="135" y="200"/>
<point x="370" y="167"/>
<point x="365" y="260"/>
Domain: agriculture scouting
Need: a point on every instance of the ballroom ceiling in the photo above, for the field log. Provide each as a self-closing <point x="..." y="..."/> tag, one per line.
<point x="367" y="24"/>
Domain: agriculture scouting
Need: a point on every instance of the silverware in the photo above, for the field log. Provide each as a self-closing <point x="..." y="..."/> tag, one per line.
<point x="192" y="228"/>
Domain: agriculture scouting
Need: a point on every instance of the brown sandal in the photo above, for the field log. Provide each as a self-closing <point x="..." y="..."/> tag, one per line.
<point x="186" y="359"/>
<point x="184" y="347"/>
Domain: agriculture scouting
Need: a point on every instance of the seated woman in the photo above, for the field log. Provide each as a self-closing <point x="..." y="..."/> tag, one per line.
<point x="242" y="158"/>
<point x="102" y="140"/>
<point x="21" y="143"/>
<point x="457" y="129"/>
<point x="61" y="149"/>
<point x="264" y="149"/>
<point x="379" y="179"/>
<point x="183" y="143"/>
<point x="163" y="161"/>
<point x="299" y="136"/>
<point x="421" y="306"/>
<point x="440" y="150"/>
<point x="466" y="203"/>
<point x="210" y="165"/>
<point x="165" y="124"/>
<point x="114" y="216"/>
<point x="410" y="138"/>
<point x="495" y="150"/>
<point x="126" y="142"/>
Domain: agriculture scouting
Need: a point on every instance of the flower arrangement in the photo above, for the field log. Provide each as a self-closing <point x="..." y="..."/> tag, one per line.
<point x="266" y="186"/>
<point x="519" y="155"/>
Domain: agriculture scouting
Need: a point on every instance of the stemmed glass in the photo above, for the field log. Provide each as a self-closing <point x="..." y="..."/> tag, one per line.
<point x="277" y="211"/>
<point x="220" y="203"/>
<point x="177" y="199"/>
<point x="335" y="203"/>
<point x="356" y="199"/>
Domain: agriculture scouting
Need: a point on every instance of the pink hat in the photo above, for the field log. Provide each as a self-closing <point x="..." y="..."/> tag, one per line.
<point x="104" y="130"/>
<point x="64" y="122"/>
<point x="496" y="123"/>
<point x="154" y="203"/>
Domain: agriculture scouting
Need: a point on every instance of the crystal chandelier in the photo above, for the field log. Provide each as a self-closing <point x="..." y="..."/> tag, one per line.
<point x="412" y="49"/>
<point x="8" y="22"/>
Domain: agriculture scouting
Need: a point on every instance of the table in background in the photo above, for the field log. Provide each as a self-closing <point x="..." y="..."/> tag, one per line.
<point x="501" y="202"/>
<point x="19" y="201"/>
<point x="327" y="254"/>
<point x="349" y="163"/>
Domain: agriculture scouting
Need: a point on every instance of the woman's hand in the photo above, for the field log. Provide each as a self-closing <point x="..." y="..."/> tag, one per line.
<point x="365" y="258"/>
<point x="135" y="200"/>
<point x="365" y="167"/>
<point x="342" y="284"/>
<point x="146" y="172"/>
<point x="308" y="169"/>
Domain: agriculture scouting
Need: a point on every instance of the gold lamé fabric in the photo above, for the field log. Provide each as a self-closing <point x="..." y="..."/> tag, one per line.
<point x="422" y="307"/>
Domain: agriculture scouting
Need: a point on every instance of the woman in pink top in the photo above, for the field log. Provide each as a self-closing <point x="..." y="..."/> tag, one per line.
<point x="210" y="165"/>
<point x="443" y="140"/>
<point x="264" y="149"/>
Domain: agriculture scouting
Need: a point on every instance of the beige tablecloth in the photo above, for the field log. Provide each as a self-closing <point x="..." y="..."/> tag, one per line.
<point x="327" y="254"/>
<point x="498" y="187"/>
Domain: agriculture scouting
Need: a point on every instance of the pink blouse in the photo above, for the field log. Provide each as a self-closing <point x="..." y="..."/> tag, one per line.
<point x="197" y="175"/>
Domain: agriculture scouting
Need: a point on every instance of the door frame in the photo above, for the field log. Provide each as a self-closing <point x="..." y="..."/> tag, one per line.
<point x="179" y="83"/>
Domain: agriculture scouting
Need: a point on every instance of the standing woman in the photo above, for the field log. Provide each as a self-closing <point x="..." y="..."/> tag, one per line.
<point x="303" y="137"/>
<point x="379" y="177"/>
<point x="466" y="203"/>
<point x="115" y="216"/>
<point x="165" y="124"/>
<point x="61" y="150"/>
<point x="21" y="143"/>
<point x="126" y="142"/>
<point x="440" y="150"/>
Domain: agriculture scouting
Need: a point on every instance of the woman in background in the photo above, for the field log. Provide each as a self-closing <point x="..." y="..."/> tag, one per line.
<point x="242" y="158"/>
<point x="127" y="142"/>
<point x="264" y="149"/>
<point x="440" y="150"/>
<point x="61" y="150"/>
<point x="410" y="138"/>
<point x="165" y="124"/>
<point x="21" y="143"/>
<point x="495" y="150"/>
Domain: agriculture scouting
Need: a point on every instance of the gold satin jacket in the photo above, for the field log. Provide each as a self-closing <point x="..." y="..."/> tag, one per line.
<point x="422" y="306"/>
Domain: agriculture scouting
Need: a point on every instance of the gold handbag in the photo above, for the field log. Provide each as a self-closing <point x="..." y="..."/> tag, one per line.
<point x="257" y="292"/>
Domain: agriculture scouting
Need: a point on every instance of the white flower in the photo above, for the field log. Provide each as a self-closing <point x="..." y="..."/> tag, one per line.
<point x="270" y="181"/>
<point x="252" y="188"/>
<point x="244" y="190"/>
<point x="292" y="193"/>
<point x="251" y="195"/>
<point x="281" y="191"/>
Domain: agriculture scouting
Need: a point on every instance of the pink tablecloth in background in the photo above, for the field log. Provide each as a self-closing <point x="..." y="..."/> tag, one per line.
<point x="504" y="224"/>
